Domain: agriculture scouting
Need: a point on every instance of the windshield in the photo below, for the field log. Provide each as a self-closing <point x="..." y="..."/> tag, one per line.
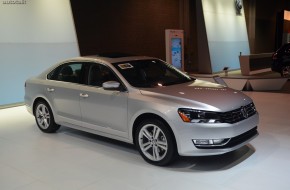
<point x="150" y="73"/>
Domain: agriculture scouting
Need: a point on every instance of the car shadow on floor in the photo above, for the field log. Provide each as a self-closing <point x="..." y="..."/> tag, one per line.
<point x="99" y="140"/>
<point x="216" y="162"/>
<point x="129" y="153"/>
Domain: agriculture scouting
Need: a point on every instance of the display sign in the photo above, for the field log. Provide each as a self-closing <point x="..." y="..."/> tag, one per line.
<point x="174" y="48"/>
<point x="176" y="52"/>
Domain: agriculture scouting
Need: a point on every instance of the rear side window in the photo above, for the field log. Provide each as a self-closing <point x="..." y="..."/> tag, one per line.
<point x="69" y="72"/>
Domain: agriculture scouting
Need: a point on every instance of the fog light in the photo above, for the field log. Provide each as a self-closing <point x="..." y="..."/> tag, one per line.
<point x="210" y="142"/>
<point x="218" y="141"/>
<point x="202" y="142"/>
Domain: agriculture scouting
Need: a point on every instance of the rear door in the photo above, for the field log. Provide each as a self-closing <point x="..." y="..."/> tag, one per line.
<point x="63" y="92"/>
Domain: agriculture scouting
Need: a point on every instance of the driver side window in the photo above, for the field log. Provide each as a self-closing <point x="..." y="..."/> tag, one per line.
<point x="98" y="74"/>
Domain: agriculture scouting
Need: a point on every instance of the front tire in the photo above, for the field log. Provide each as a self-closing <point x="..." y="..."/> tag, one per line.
<point x="44" y="118"/>
<point x="155" y="142"/>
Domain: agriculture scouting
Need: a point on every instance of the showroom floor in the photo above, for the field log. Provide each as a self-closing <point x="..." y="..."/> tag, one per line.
<point x="69" y="159"/>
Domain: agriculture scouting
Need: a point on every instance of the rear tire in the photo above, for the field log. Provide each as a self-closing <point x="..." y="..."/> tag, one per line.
<point x="44" y="118"/>
<point x="155" y="142"/>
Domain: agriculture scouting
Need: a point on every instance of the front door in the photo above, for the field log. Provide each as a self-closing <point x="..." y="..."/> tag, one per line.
<point x="103" y="110"/>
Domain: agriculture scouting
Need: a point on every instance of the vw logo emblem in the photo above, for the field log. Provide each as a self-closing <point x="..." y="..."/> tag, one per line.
<point x="244" y="112"/>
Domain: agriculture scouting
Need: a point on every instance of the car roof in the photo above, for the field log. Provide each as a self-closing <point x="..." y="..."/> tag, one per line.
<point x="111" y="58"/>
<point x="101" y="58"/>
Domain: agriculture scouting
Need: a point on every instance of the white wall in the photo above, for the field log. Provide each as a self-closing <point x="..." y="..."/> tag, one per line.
<point x="226" y="33"/>
<point x="33" y="36"/>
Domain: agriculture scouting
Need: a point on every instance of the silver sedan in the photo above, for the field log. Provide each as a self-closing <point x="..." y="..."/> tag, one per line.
<point x="143" y="101"/>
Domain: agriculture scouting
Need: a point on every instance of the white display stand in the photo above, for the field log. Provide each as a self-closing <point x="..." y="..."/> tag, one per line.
<point x="174" y="44"/>
<point x="255" y="63"/>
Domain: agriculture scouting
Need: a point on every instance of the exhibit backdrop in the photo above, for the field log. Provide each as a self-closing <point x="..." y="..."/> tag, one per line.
<point x="34" y="34"/>
<point x="226" y="34"/>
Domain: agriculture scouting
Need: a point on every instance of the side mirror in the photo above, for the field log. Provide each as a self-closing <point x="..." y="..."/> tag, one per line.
<point x="111" y="85"/>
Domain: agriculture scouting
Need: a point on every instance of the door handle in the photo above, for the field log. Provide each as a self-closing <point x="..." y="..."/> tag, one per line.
<point x="50" y="89"/>
<point x="84" y="95"/>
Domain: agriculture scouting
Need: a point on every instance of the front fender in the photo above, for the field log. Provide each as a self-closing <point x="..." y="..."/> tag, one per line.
<point x="171" y="114"/>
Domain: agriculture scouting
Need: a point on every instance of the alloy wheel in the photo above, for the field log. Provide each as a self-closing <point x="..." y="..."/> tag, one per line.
<point x="153" y="142"/>
<point x="42" y="116"/>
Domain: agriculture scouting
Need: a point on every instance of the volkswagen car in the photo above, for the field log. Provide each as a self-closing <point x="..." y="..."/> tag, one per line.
<point x="143" y="101"/>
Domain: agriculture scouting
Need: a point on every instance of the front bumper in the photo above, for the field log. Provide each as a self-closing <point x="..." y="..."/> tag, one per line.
<point x="238" y="135"/>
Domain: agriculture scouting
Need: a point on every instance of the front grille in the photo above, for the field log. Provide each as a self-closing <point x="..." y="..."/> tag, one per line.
<point x="239" y="114"/>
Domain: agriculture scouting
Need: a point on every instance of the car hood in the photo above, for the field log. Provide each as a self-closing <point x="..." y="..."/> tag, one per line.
<point x="200" y="94"/>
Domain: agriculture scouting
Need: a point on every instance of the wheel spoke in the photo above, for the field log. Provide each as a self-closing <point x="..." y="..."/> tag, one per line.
<point x="41" y="120"/>
<point x="39" y="112"/>
<point x="42" y="110"/>
<point x="46" y="111"/>
<point x="146" y="146"/>
<point x="156" y="132"/>
<point x="47" y="116"/>
<point x="46" y="124"/>
<point x="156" y="155"/>
<point x="162" y="145"/>
<point x="147" y="134"/>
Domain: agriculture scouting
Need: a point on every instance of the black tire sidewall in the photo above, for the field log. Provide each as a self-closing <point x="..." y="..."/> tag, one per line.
<point x="171" y="151"/>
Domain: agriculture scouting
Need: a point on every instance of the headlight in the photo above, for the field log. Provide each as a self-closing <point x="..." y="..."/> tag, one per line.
<point x="198" y="116"/>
